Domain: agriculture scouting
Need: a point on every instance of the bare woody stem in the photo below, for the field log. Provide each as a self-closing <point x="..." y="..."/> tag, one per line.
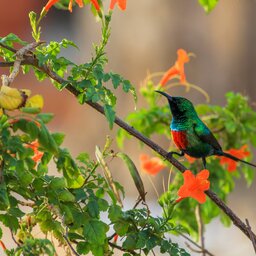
<point x="200" y="225"/>
<point x="31" y="60"/>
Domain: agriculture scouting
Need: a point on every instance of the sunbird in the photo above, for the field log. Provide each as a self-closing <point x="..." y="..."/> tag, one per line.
<point x="190" y="134"/>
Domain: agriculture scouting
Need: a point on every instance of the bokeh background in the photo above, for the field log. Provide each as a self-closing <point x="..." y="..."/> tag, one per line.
<point x="144" y="39"/>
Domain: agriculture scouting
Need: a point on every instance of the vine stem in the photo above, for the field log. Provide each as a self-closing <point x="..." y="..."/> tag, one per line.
<point x="32" y="60"/>
<point x="200" y="225"/>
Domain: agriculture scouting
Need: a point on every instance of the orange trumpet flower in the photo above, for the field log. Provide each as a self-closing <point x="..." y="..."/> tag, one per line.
<point x="177" y="69"/>
<point x="194" y="186"/>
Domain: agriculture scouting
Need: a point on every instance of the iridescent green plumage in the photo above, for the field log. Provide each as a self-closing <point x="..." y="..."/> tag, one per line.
<point x="190" y="134"/>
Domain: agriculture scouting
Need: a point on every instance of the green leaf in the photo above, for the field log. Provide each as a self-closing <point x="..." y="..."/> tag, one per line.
<point x="57" y="183"/>
<point x="1" y="233"/>
<point x="4" y="198"/>
<point x="110" y="115"/>
<point x="121" y="228"/>
<point x="208" y="5"/>
<point x="45" y="117"/>
<point x="32" y="130"/>
<point x="34" y="26"/>
<point x="95" y="231"/>
<point x="93" y="209"/>
<point x="66" y="196"/>
<point x="59" y="138"/>
<point x="116" y="79"/>
<point x="30" y="110"/>
<point x="9" y="221"/>
<point x="130" y="242"/>
<point x="46" y="140"/>
<point x="83" y="248"/>
<point x="134" y="173"/>
<point x="114" y="213"/>
<point x="12" y="38"/>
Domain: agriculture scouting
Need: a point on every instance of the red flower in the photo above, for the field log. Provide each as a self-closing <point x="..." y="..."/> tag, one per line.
<point x="190" y="159"/>
<point x="37" y="154"/>
<point x="177" y="68"/>
<point x="3" y="245"/>
<point x="121" y="4"/>
<point x="151" y="165"/>
<point x="115" y="238"/>
<point x="239" y="153"/>
<point x="96" y="4"/>
<point x="50" y="3"/>
<point x="194" y="186"/>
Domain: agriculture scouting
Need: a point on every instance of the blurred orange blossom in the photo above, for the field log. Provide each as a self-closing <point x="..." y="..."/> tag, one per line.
<point x="37" y="154"/>
<point x="177" y="69"/>
<point x="50" y="3"/>
<point x="121" y="4"/>
<point x="151" y="165"/>
<point x="239" y="153"/>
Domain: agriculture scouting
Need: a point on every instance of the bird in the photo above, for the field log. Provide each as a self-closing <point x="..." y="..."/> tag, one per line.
<point x="190" y="134"/>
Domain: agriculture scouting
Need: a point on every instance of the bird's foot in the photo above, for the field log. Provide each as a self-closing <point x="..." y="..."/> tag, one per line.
<point x="170" y="154"/>
<point x="204" y="162"/>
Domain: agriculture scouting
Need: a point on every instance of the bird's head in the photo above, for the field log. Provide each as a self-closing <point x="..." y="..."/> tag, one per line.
<point x="179" y="106"/>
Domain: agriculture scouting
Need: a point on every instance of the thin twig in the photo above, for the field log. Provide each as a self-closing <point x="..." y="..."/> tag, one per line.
<point x="200" y="225"/>
<point x="29" y="204"/>
<point x="251" y="235"/>
<point x="194" y="243"/>
<point x="192" y="249"/>
<point x="70" y="245"/>
<point x="121" y="248"/>
<point x="20" y="55"/>
<point x="8" y="48"/>
<point x="31" y="60"/>
<point x="14" y="239"/>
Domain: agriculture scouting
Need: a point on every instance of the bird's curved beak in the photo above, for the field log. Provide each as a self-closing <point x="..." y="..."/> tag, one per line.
<point x="165" y="94"/>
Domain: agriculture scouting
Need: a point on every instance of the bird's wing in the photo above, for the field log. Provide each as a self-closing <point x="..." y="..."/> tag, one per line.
<point x="206" y="136"/>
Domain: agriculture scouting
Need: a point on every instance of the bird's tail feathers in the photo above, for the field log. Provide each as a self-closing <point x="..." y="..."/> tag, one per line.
<point x="235" y="158"/>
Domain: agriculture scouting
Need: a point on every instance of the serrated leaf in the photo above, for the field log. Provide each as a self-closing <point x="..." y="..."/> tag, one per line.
<point x="83" y="248"/>
<point x="93" y="209"/>
<point x="134" y="173"/>
<point x="110" y="115"/>
<point x="121" y="228"/>
<point x="9" y="221"/>
<point x="114" y="213"/>
<point x="95" y="231"/>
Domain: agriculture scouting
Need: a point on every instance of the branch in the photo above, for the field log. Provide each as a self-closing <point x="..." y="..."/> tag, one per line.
<point x="70" y="245"/>
<point x="121" y="248"/>
<point x="194" y="243"/>
<point x="31" y="60"/>
<point x="200" y="225"/>
<point x="251" y="235"/>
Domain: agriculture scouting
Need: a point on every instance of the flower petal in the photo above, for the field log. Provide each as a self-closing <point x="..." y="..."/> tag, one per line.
<point x="199" y="196"/>
<point x="50" y="4"/>
<point x="96" y="4"/>
<point x="203" y="175"/>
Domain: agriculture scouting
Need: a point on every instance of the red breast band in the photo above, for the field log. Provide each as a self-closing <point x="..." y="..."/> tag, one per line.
<point x="180" y="139"/>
